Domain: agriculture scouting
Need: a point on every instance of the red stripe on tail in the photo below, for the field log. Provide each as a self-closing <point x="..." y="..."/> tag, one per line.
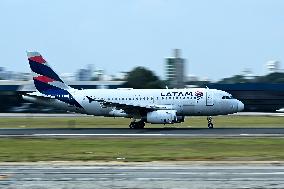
<point x="44" y="79"/>
<point x="37" y="59"/>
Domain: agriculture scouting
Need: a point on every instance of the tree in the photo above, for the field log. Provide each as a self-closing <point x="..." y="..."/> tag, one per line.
<point x="276" y="77"/>
<point x="234" y="79"/>
<point x="142" y="78"/>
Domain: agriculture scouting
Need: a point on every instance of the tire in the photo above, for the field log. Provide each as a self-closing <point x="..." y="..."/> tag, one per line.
<point x="141" y="125"/>
<point x="210" y="125"/>
<point x="131" y="125"/>
<point x="137" y="125"/>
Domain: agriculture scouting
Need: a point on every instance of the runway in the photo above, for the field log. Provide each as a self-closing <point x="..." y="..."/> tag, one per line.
<point x="147" y="175"/>
<point x="269" y="114"/>
<point x="153" y="132"/>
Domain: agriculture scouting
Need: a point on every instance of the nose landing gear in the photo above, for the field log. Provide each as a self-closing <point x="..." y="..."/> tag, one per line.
<point x="210" y="124"/>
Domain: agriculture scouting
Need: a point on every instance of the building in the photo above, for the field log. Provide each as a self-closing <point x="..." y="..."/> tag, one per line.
<point x="175" y="70"/>
<point x="17" y="76"/>
<point x="85" y="74"/>
<point x="273" y="66"/>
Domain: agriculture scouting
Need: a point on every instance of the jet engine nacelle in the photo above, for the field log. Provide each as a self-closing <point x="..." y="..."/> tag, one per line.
<point x="162" y="116"/>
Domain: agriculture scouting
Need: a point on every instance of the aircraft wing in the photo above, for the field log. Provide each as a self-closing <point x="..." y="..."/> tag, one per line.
<point x="132" y="108"/>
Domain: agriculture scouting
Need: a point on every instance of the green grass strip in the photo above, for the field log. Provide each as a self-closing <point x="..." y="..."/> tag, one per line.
<point x="100" y="122"/>
<point x="141" y="149"/>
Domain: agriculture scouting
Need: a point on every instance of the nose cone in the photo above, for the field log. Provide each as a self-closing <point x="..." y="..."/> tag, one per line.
<point x="241" y="106"/>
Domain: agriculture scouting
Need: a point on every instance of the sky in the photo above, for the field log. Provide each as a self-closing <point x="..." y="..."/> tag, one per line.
<point x="218" y="38"/>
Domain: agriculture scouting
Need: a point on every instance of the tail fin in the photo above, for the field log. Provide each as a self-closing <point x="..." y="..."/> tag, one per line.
<point x="48" y="82"/>
<point x="45" y="79"/>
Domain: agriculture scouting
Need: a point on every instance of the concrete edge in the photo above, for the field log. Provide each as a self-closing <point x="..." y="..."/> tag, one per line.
<point x="156" y="163"/>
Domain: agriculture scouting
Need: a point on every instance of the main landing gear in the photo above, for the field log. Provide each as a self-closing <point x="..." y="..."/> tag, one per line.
<point x="137" y="125"/>
<point x="210" y="124"/>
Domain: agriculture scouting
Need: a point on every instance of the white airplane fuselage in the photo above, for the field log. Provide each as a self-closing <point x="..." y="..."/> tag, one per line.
<point x="186" y="102"/>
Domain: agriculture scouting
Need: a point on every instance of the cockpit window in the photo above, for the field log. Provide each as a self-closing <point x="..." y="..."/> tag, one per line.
<point x="227" y="97"/>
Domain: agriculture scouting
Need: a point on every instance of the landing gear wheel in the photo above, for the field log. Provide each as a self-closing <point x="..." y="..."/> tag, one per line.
<point x="132" y="125"/>
<point x="210" y="124"/>
<point x="137" y="125"/>
<point x="141" y="125"/>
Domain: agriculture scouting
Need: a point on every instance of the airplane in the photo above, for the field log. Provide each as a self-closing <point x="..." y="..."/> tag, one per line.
<point x="155" y="106"/>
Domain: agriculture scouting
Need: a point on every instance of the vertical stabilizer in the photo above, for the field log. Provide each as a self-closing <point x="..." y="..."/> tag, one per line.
<point x="48" y="82"/>
<point x="45" y="79"/>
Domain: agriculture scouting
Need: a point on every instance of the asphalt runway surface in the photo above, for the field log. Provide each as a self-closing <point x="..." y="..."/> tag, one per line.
<point x="142" y="176"/>
<point x="277" y="114"/>
<point x="152" y="132"/>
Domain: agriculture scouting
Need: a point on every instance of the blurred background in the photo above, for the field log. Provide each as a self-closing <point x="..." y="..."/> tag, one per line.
<point x="235" y="46"/>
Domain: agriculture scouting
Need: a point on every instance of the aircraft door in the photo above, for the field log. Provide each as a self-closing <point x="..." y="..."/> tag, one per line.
<point x="209" y="98"/>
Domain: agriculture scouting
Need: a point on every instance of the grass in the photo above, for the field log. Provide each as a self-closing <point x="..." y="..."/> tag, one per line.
<point x="96" y="122"/>
<point x="141" y="149"/>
